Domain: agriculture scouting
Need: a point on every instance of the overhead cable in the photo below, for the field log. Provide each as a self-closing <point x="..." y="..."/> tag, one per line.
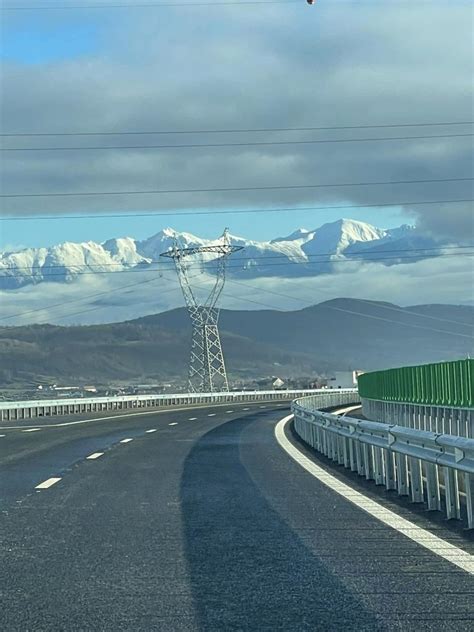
<point x="233" y="189"/>
<point x="234" y="130"/>
<point x="185" y="213"/>
<point x="239" y="144"/>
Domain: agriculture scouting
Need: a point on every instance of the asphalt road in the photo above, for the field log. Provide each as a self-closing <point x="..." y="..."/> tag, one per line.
<point x="201" y="522"/>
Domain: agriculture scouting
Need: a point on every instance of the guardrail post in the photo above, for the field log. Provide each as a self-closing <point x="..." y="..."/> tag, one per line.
<point x="368" y="460"/>
<point x="432" y="487"/>
<point x="359" y="459"/>
<point x="335" y="447"/>
<point x="346" y="452"/>
<point x="329" y="441"/>
<point x="402" y="475"/>
<point x="390" y="479"/>
<point x="352" y="455"/>
<point x="416" y="486"/>
<point x="378" y="466"/>
<point x="469" y="484"/>
<point x="315" y="437"/>
<point x="453" y="509"/>
<point x="325" y="442"/>
<point x="340" y="450"/>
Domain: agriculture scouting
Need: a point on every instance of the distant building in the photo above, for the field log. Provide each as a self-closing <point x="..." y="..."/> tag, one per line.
<point x="344" y="379"/>
<point x="278" y="383"/>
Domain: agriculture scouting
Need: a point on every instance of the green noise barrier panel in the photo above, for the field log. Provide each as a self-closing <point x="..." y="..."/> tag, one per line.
<point x="442" y="384"/>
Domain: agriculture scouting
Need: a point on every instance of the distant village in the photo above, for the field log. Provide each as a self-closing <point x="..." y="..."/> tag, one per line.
<point x="336" y="380"/>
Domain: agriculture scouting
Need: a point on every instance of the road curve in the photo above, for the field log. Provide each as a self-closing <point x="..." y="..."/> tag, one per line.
<point x="201" y="522"/>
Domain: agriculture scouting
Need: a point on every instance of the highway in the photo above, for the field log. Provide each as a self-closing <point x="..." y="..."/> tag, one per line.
<point x="197" y="520"/>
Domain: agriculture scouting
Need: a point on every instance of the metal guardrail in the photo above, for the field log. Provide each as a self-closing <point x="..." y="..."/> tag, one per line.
<point x="439" y="419"/>
<point x="30" y="409"/>
<point x="427" y="466"/>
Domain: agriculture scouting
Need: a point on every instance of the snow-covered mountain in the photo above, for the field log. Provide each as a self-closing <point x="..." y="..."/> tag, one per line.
<point x="315" y="252"/>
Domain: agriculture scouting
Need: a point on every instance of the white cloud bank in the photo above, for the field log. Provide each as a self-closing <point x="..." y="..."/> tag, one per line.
<point x="113" y="298"/>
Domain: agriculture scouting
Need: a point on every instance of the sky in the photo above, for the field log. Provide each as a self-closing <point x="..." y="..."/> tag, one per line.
<point x="361" y="104"/>
<point x="43" y="233"/>
<point x="336" y="64"/>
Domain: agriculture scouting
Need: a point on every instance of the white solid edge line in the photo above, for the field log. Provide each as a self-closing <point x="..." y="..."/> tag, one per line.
<point x="126" y="440"/>
<point x="433" y="543"/>
<point x="95" y="455"/>
<point x="347" y="409"/>
<point x="48" y="483"/>
<point x="151" y="430"/>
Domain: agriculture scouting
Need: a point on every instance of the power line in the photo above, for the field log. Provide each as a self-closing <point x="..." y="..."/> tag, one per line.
<point x="240" y="144"/>
<point x="229" y="212"/>
<point x="77" y="300"/>
<point x="82" y="299"/>
<point x="242" y="268"/>
<point x="258" y="290"/>
<point x="232" y="189"/>
<point x="263" y="258"/>
<point x="146" y="5"/>
<point x="348" y="311"/>
<point x="376" y="303"/>
<point x="442" y="331"/>
<point x="408" y="312"/>
<point x="234" y="130"/>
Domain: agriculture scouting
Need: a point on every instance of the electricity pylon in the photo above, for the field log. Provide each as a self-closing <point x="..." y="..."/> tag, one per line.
<point x="207" y="372"/>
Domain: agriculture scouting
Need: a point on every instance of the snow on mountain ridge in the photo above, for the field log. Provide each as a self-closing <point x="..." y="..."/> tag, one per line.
<point x="335" y="237"/>
<point x="124" y="250"/>
<point x="334" y="240"/>
<point x="298" y="234"/>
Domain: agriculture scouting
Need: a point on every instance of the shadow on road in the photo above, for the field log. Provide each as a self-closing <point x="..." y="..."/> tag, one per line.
<point x="247" y="569"/>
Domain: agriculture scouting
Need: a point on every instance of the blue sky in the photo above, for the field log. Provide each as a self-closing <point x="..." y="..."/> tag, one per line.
<point x="37" y="233"/>
<point x="38" y="40"/>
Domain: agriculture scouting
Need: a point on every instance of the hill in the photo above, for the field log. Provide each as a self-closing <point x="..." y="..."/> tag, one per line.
<point x="333" y="335"/>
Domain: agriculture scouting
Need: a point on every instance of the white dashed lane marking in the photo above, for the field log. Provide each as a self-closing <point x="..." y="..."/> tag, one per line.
<point x="246" y="409"/>
<point x="3" y="435"/>
<point x="126" y="440"/>
<point x="31" y="429"/>
<point x="151" y="430"/>
<point x="174" y="423"/>
<point x="229" y="411"/>
<point x="212" y="415"/>
<point x="192" y="418"/>
<point x="48" y="483"/>
<point x="96" y="455"/>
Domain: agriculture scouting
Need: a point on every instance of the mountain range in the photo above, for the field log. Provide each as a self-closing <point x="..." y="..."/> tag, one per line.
<point x="338" y="334"/>
<point x="302" y="253"/>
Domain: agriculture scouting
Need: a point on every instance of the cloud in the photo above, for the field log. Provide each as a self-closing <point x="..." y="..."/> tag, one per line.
<point x="112" y="298"/>
<point x="344" y="65"/>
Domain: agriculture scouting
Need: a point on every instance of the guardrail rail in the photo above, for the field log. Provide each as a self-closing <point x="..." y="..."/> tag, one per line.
<point x="431" y="467"/>
<point x="436" y="397"/>
<point x="29" y="409"/>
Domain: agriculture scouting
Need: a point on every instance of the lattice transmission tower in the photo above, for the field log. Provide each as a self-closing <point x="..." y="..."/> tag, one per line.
<point x="207" y="371"/>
